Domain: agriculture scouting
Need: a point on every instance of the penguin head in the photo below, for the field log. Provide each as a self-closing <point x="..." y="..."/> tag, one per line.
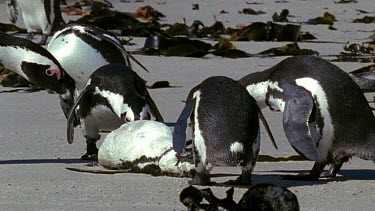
<point x="137" y="109"/>
<point x="37" y="65"/>
<point x="34" y="63"/>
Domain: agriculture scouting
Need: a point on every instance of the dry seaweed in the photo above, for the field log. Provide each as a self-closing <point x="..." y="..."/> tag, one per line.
<point x="269" y="31"/>
<point x="327" y="19"/>
<point x="345" y="1"/>
<point x="249" y="11"/>
<point x="174" y="46"/>
<point x="177" y="29"/>
<point x="288" y="50"/>
<point x="115" y="20"/>
<point x="283" y="17"/>
<point x="225" y="48"/>
<point x="366" y="19"/>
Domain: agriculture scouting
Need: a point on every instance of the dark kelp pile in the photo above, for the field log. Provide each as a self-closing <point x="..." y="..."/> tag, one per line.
<point x="182" y="46"/>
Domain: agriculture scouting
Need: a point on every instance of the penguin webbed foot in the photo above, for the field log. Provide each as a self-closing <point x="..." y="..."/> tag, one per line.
<point x="314" y="174"/>
<point x="93" y="157"/>
<point x="43" y="41"/>
<point x="201" y="179"/>
<point x="241" y="180"/>
<point x="91" y="151"/>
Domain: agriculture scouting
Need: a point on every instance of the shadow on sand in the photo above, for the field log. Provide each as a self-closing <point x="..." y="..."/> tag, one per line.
<point x="42" y="161"/>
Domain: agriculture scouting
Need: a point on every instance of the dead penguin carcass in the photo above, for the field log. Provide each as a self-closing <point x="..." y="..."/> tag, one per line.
<point x="143" y="147"/>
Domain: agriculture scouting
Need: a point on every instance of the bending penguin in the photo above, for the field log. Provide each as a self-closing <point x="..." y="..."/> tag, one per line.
<point x="37" y="65"/>
<point x="113" y="95"/>
<point x="225" y="126"/>
<point x="39" y="16"/>
<point x="326" y="117"/>
<point x="81" y="49"/>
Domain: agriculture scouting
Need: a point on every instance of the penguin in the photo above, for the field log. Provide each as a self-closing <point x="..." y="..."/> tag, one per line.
<point x="39" y="16"/>
<point x="114" y="94"/>
<point x="38" y="66"/>
<point x="326" y="117"/>
<point x="81" y="49"/>
<point x="141" y="146"/>
<point x="225" y="125"/>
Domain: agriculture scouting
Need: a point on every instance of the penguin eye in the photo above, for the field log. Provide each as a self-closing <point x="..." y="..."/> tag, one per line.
<point x="51" y="72"/>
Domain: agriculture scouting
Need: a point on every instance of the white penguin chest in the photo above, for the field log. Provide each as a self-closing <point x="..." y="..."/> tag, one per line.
<point x="103" y="118"/>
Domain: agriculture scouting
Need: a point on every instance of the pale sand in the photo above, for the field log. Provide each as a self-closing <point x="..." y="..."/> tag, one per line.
<point x="34" y="151"/>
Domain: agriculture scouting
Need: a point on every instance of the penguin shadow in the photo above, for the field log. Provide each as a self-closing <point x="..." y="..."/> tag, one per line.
<point x="43" y="161"/>
<point x="276" y="177"/>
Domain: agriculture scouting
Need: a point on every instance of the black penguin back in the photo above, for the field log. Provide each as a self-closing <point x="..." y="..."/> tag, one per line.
<point x="116" y="79"/>
<point x="227" y="115"/>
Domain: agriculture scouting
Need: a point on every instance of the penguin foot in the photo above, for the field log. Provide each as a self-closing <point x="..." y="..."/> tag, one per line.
<point x="201" y="179"/>
<point x="239" y="181"/>
<point x="327" y="175"/>
<point x="93" y="157"/>
<point x="91" y="150"/>
<point x="300" y="177"/>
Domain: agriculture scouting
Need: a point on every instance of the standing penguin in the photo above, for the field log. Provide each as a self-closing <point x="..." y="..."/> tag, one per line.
<point x="113" y="95"/>
<point x="39" y="16"/>
<point x="37" y="65"/>
<point x="225" y="126"/>
<point x="82" y="48"/>
<point x="326" y="117"/>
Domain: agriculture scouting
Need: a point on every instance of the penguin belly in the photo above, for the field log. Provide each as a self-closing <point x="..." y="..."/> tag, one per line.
<point x="103" y="119"/>
<point x="35" y="18"/>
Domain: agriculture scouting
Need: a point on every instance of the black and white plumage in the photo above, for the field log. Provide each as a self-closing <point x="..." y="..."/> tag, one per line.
<point x="113" y="95"/>
<point x="326" y="117"/>
<point x="225" y="125"/>
<point x="143" y="146"/>
<point x="81" y="49"/>
<point x="39" y="16"/>
<point x="37" y="65"/>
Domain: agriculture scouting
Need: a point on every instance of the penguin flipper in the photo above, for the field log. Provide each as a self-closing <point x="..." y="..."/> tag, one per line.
<point x="179" y="132"/>
<point x="298" y="107"/>
<point x="12" y="9"/>
<point x="267" y="127"/>
<point x="153" y="108"/>
<point x="72" y="115"/>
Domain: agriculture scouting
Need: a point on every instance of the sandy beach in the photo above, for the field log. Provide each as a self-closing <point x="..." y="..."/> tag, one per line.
<point x="34" y="152"/>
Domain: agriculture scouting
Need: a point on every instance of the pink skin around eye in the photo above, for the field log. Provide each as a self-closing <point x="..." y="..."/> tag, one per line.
<point x="51" y="72"/>
<point x="128" y="119"/>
